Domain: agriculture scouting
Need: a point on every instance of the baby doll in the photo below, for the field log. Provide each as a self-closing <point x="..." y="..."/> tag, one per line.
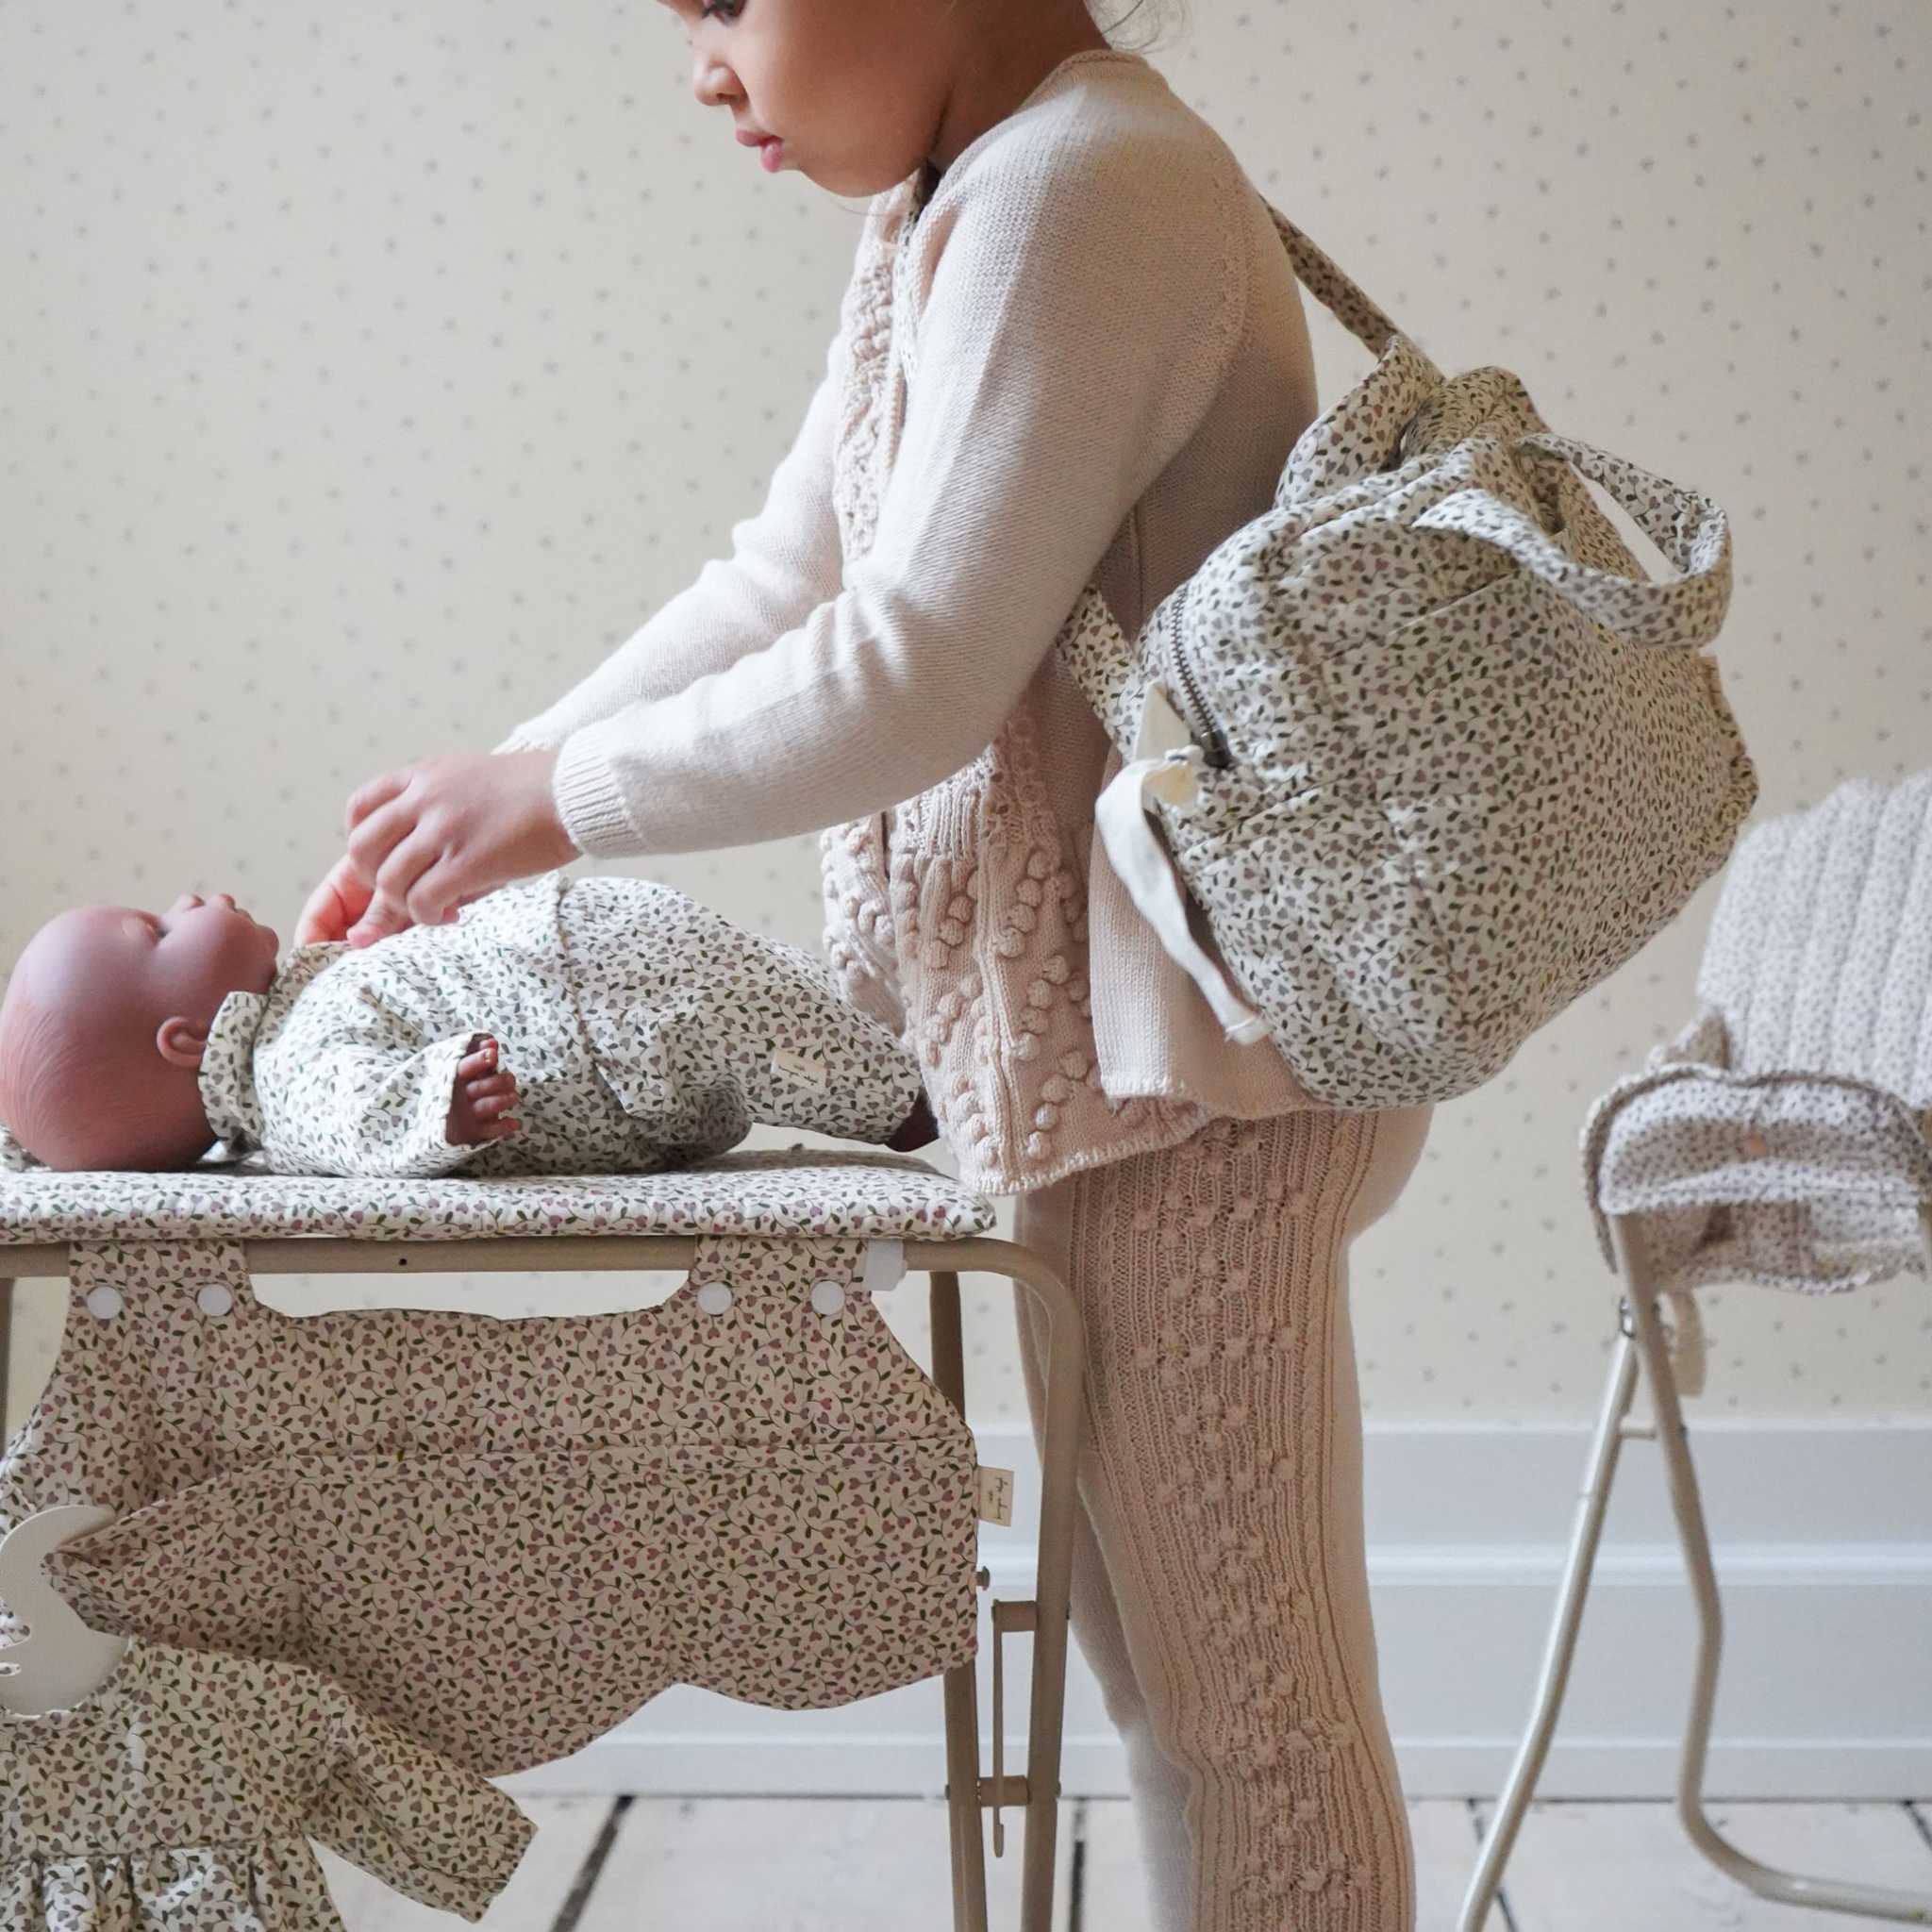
<point x="631" y="1028"/>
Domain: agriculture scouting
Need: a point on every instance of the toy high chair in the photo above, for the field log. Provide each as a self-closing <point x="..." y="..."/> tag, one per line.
<point x="178" y="1252"/>
<point x="1781" y="1139"/>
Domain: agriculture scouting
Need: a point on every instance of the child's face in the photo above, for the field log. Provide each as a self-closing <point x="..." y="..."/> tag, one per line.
<point x="853" y="89"/>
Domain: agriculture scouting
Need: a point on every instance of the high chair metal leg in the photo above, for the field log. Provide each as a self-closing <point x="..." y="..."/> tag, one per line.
<point x="1832" y="1894"/>
<point x="1513" y="1801"/>
<point x="962" y="1680"/>
<point x="1641" y="1321"/>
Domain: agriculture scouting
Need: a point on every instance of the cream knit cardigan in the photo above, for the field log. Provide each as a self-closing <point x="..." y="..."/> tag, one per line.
<point x="1085" y="349"/>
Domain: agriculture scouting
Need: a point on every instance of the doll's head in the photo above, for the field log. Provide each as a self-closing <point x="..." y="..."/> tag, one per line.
<point x="103" y="1024"/>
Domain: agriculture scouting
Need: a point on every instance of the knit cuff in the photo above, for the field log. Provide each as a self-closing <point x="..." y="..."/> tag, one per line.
<point x="589" y="799"/>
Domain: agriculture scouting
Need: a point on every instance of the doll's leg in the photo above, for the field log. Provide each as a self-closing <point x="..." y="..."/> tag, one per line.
<point x="1221" y="1474"/>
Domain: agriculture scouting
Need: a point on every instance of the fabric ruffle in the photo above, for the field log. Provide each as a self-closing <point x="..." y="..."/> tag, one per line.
<point x="261" y="1887"/>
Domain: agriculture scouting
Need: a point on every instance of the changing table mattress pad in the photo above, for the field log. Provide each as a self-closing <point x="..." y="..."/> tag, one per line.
<point x="750" y="1191"/>
<point x="507" y="1535"/>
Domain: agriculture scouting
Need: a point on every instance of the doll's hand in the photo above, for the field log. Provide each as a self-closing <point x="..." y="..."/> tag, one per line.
<point x="432" y="836"/>
<point x="334" y="905"/>
<point x="481" y="1100"/>
<point x="918" y="1129"/>
<point x="340" y="900"/>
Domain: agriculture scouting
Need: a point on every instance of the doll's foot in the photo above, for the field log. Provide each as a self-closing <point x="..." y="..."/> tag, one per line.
<point x="482" y="1097"/>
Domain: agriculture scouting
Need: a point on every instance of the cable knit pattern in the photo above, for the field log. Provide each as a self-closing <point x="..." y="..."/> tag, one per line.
<point x="1220" y="1482"/>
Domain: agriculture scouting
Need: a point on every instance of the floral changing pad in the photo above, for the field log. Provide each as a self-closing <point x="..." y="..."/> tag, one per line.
<point x="797" y="1190"/>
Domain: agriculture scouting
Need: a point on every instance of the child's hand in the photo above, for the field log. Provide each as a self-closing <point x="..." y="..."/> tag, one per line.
<point x="434" y="835"/>
<point x="483" y="1095"/>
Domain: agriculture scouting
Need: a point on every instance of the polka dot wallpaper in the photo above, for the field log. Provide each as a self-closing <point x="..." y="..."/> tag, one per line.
<point x="367" y="372"/>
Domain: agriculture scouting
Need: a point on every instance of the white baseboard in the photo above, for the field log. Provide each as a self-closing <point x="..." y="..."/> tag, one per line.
<point x="1823" y="1543"/>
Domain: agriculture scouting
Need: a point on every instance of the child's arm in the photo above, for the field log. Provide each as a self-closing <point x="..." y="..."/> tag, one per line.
<point x="783" y="561"/>
<point x="1083" y="301"/>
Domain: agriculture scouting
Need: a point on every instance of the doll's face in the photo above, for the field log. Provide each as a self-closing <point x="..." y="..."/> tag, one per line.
<point x="105" y="1022"/>
<point x="153" y="969"/>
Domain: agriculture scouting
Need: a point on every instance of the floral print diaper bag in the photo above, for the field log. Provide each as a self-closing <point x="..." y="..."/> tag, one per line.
<point x="1428" y="749"/>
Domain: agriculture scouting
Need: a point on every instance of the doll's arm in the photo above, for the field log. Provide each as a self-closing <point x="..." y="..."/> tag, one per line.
<point x="371" y="1100"/>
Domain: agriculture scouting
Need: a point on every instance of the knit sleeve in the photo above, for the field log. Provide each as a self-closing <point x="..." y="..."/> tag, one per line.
<point x="1084" y="289"/>
<point x="784" y="561"/>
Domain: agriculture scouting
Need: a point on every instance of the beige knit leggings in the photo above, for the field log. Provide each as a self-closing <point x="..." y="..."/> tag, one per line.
<point x="1220" y="1589"/>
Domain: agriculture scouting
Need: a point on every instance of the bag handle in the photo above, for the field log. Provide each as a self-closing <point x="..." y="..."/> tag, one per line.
<point x="1686" y="525"/>
<point x="1324" y="279"/>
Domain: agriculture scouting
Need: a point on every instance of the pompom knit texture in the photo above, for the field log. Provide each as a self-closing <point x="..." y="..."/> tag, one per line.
<point x="1083" y="355"/>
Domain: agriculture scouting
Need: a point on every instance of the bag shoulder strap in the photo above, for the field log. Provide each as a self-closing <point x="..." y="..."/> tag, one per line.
<point x="1337" y="292"/>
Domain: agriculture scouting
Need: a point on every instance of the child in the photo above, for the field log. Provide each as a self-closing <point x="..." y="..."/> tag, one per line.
<point x="1071" y="348"/>
<point x="634" y="1029"/>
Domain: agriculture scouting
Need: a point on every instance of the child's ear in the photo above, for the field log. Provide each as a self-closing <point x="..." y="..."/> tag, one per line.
<point x="180" y="1041"/>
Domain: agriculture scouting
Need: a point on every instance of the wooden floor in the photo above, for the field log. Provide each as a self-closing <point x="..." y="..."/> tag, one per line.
<point x="815" y="1864"/>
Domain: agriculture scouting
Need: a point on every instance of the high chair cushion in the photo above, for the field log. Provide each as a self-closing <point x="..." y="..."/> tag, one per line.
<point x="1781" y="1138"/>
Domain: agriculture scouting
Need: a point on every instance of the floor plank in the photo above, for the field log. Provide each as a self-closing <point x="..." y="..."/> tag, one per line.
<point x="862" y="1865"/>
<point x="800" y="1865"/>
<point x="567" y="1828"/>
<point x="1114" y="1888"/>
<point x="1587" y="1867"/>
<point x="1445" y="1852"/>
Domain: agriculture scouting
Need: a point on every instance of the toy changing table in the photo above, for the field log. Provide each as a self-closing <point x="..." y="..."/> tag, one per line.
<point x="910" y="1217"/>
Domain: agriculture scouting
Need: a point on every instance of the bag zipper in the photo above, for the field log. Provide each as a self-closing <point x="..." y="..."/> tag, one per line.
<point x="1200" y="719"/>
